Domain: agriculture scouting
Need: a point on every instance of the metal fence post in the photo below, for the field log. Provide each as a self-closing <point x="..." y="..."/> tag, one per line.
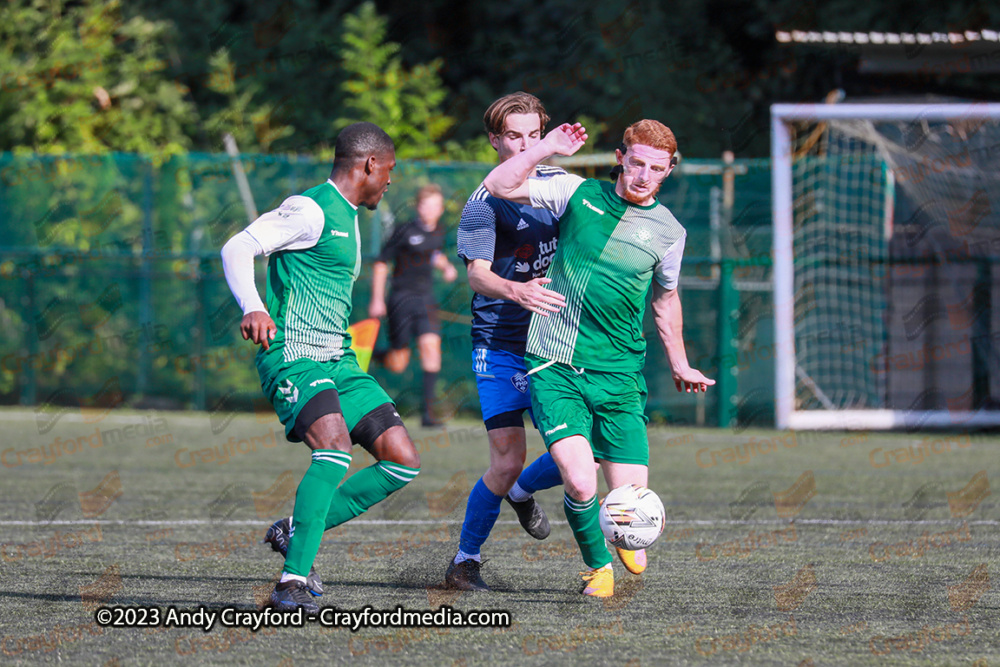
<point x="726" y="382"/>
<point x="728" y="300"/>
<point x="201" y="329"/>
<point x="145" y="279"/>
<point x="29" y="395"/>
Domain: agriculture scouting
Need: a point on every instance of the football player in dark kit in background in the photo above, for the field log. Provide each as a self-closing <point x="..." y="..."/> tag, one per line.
<point x="414" y="249"/>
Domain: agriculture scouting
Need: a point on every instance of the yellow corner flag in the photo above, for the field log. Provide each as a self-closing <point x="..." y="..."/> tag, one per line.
<point x="363" y="336"/>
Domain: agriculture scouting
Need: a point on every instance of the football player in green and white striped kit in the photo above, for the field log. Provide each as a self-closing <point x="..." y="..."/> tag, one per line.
<point x="307" y="367"/>
<point x="588" y="394"/>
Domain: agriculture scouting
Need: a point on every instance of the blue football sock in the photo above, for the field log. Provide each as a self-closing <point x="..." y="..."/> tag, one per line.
<point x="542" y="474"/>
<point x="480" y="515"/>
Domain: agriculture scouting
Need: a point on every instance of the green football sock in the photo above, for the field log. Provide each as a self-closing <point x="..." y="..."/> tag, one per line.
<point x="583" y="521"/>
<point x="365" y="488"/>
<point x="312" y="501"/>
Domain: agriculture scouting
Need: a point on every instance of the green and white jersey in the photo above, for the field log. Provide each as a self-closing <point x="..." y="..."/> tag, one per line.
<point x="609" y="253"/>
<point x="315" y="248"/>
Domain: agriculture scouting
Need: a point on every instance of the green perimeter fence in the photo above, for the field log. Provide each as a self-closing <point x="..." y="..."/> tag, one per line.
<point x="112" y="291"/>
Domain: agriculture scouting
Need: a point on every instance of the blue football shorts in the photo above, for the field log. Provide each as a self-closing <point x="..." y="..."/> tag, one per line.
<point x="502" y="381"/>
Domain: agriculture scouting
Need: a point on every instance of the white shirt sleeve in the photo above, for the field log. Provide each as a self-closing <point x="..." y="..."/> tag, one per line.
<point x="668" y="270"/>
<point x="295" y="225"/>
<point x="237" y="263"/>
<point x="553" y="193"/>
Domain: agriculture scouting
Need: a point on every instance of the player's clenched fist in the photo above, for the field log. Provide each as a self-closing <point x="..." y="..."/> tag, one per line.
<point x="258" y="327"/>
<point x="533" y="296"/>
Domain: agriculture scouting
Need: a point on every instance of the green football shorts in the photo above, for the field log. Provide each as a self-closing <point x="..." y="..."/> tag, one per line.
<point x="606" y="408"/>
<point x="290" y="385"/>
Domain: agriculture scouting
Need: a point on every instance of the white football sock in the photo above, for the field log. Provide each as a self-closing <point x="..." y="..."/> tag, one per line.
<point x="517" y="494"/>
<point x="289" y="577"/>
<point x="461" y="556"/>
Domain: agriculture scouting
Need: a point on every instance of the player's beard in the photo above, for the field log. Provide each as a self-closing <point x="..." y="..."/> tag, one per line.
<point x="638" y="200"/>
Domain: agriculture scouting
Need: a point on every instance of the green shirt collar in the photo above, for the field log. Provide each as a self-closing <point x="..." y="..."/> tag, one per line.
<point x="330" y="181"/>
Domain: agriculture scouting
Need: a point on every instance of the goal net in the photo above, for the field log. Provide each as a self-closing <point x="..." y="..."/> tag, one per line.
<point x="886" y="265"/>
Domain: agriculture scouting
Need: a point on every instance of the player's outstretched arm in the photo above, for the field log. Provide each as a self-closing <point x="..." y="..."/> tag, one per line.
<point x="532" y="295"/>
<point x="670" y="326"/>
<point x="509" y="179"/>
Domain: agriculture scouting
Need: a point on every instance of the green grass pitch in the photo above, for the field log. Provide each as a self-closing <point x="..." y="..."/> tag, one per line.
<point x="779" y="548"/>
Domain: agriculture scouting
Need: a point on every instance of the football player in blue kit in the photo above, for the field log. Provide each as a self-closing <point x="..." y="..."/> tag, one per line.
<point x="507" y="248"/>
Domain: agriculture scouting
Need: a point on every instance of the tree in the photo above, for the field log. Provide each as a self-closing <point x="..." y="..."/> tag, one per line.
<point x="253" y="126"/>
<point x="404" y="102"/>
<point x="79" y="76"/>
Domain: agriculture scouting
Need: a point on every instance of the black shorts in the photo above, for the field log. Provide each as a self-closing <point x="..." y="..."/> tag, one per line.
<point x="410" y="316"/>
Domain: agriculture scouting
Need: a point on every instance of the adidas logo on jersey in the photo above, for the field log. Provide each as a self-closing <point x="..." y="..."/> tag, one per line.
<point x="522" y="225"/>
<point x="338" y="234"/>
<point x="592" y="207"/>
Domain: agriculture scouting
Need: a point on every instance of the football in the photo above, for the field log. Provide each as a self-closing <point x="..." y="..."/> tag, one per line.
<point x="631" y="517"/>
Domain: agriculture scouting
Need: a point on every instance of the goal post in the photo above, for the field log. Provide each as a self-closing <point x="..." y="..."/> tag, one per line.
<point x="886" y="265"/>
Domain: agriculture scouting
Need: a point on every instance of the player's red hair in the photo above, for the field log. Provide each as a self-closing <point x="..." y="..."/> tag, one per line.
<point x="651" y="133"/>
